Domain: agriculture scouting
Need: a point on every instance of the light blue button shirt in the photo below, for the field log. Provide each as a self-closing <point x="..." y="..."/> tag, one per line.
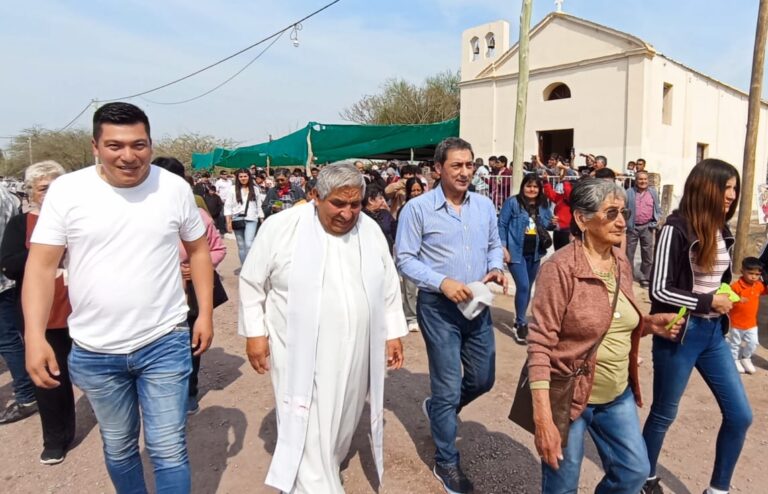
<point x="435" y="242"/>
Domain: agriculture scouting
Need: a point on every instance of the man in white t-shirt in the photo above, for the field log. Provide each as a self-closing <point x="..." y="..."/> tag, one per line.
<point x="128" y="321"/>
<point x="223" y="184"/>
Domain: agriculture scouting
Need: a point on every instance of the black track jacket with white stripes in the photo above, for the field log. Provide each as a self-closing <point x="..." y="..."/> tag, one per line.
<point x="672" y="276"/>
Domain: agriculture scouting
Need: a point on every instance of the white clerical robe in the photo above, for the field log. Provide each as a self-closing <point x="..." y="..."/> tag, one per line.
<point x="328" y="305"/>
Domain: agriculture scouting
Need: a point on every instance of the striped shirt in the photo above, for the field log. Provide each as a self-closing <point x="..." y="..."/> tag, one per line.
<point x="708" y="281"/>
<point x="435" y="242"/>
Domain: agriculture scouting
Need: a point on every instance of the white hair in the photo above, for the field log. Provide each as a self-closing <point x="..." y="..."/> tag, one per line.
<point x="43" y="169"/>
<point x="335" y="177"/>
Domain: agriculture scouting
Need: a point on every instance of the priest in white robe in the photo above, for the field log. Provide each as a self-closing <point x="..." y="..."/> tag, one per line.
<point x="321" y="310"/>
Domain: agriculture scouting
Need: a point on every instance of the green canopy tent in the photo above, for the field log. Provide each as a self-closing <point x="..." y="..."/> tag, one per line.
<point x="325" y="143"/>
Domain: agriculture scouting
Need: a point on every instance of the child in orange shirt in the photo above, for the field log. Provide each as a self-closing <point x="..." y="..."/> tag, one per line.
<point x="743" y="335"/>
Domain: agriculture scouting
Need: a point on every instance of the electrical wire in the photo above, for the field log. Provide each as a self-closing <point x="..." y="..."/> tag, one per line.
<point x="221" y="84"/>
<point x="76" y="117"/>
<point x="219" y="62"/>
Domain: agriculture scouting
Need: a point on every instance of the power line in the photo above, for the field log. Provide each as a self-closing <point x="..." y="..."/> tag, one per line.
<point x="219" y="62"/>
<point x="221" y="84"/>
<point x="76" y="117"/>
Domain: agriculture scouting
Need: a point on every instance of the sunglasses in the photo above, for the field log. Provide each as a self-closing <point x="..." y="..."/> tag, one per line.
<point x="612" y="213"/>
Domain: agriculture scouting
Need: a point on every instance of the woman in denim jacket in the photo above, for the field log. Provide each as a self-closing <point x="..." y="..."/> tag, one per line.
<point x="523" y="247"/>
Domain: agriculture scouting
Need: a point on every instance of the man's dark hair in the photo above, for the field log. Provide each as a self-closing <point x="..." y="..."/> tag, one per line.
<point x="640" y="159"/>
<point x="750" y="263"/>
<point x="372" y="192"/>
<point x="206" y="175"/>
<point x="503" y="159"/>
<point x="118" y="113"/>
<point x="492" y="158"/>
<point x="449" y="144"/>
<point x="605" y="173"/>
<point x="171" y="164"/>
<point x="408" y="169"/>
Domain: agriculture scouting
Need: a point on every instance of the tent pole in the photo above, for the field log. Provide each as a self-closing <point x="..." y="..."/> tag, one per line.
<point x="411" y="154"/>
<point x="309" y="150"/>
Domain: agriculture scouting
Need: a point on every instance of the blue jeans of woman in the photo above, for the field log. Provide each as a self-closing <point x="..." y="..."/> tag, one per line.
<point x="615" y="430"/>
<point x="12" y="347"/>
<point x="245" y="238"/>
<point x="524" y="273"/>
<point x="704" y="348"/>
<point x="153" y="379"/>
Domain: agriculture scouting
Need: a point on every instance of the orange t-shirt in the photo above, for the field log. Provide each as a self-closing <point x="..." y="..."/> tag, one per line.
<point x="744" y="314"/>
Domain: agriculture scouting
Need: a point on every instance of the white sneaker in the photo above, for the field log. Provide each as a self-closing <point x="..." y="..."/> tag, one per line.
<point x="739" y="367"/>
<point x="748" y="366"/>
<point x="413" y="327"/>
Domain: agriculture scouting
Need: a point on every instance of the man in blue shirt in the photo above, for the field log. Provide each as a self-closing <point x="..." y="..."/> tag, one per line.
<point x="446" y="239"/>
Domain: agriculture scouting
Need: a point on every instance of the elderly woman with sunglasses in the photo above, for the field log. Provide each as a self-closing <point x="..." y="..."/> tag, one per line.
<point x="583" y="323"/>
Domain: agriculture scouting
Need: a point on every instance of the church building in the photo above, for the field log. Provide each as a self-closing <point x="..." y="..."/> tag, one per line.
<point x="597" y="90"/>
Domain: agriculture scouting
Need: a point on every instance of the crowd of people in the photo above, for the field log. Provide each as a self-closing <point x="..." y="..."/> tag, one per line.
<point x="114" y="292"/>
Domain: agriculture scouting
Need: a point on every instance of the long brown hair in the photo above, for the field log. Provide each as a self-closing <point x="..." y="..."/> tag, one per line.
<point x="238" y="186"/>
<point x="702" y="205"/>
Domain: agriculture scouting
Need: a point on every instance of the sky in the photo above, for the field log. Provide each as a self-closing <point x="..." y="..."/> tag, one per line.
<point x="60" y="54"/>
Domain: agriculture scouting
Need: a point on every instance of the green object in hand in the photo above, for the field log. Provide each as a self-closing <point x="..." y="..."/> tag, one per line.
<point x="680" y="315"/>
<point x="725" y="289"/>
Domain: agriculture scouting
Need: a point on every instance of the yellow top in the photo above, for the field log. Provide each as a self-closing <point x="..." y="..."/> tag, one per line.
<point x="612" y="368"/>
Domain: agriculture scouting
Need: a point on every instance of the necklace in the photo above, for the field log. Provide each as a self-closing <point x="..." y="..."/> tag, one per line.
<point x="606" y="277"/>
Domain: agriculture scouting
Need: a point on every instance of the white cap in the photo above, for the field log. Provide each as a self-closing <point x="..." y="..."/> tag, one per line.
<point x="481" y="298"/>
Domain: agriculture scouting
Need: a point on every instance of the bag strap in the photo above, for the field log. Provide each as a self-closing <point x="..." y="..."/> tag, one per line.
<point x="594" y="348"/>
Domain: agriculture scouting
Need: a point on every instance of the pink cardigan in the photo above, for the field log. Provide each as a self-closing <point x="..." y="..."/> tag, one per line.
<point x="572" y="311"/>
<point x="215" y="244"/>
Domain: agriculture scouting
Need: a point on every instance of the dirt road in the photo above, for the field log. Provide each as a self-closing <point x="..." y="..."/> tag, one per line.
<point x="232" y="437"/>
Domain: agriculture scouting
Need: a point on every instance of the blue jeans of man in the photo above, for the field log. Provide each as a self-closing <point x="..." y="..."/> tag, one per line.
<point x="245" y="238"/>
<point x="454" y="343"/>
<point x="705" y="349"/>
<point x="524" y="273"/>
<point x="153" y="379"/>
<point x="12" y="347"/>
<point x="615" y="430"/>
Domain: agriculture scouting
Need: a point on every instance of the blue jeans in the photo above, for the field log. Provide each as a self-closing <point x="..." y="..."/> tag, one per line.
<point x="12" y="347"/>
<point x="245" y="238"/>
<point x="524" y="273"/>
<point x="454" y="343"/>
<point x="704" y="348"/>
<point x="154" y="379"/>
<point x="615" y="430"/>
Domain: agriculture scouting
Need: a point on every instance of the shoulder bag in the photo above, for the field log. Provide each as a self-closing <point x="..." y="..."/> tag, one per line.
<point x="560" y="388"/>
<point x="239" y="223"/>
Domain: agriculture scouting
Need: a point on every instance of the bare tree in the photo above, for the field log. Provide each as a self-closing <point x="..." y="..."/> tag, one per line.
<point x="181" y="147"/>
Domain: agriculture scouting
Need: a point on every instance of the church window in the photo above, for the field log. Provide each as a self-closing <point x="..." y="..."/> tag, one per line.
<point x="557" y="90"/>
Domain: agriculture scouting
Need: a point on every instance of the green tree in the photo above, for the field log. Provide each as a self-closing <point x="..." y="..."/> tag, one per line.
<point x="402" y="102"/>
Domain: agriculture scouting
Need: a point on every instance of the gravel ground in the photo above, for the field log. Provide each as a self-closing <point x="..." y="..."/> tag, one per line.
<point x="232" y="437"/>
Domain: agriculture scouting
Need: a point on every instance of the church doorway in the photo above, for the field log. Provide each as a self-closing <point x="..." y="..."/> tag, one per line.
<point x="555" y="141"/>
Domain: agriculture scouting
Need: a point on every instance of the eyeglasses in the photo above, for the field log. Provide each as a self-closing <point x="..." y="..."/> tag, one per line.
<point x="612" y="213"/>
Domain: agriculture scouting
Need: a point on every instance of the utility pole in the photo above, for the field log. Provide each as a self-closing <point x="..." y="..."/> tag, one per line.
<point x="95" y="104"/>
<point x="750" y="144"/>
<point x="29" y="142"/>
<point x="522" y="95"/>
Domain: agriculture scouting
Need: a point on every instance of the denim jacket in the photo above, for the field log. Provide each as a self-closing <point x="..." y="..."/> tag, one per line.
<point x="513" y="220"/>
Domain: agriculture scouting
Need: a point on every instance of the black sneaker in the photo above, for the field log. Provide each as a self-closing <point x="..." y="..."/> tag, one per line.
<point x="52" y="456"/>
<point x="652" y="486"/>
<point x="453" y="479"/>
<point x="17" y="412"/>
<point x="521" y="333"/>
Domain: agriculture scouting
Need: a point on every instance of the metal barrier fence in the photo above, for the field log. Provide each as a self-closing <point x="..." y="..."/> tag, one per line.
<point x="499" y="187"/>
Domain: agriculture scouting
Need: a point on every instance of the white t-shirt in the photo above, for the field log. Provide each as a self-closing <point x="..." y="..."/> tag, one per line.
<point x="223" y="186"/>
<point x="123" y="255"/>
<point x="234" y="208"/>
